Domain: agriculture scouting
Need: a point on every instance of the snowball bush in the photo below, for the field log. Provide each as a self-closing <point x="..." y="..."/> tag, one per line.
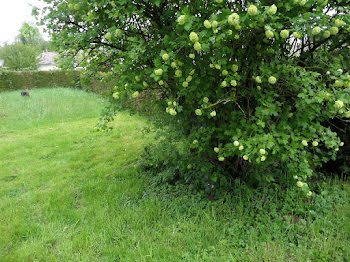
<point x="262" y="67"/>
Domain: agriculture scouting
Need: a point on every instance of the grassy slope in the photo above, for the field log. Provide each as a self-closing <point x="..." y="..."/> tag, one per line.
<point x="68" y="193"/>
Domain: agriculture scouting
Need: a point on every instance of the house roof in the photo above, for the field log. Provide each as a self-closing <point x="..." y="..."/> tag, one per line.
<point x="47" y="58"/>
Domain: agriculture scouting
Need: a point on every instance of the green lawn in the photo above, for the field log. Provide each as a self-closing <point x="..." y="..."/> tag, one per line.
<point x="69" y="193"/>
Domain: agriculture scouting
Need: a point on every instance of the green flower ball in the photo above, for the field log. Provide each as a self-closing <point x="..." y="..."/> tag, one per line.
<point x="252" y="10"/>
<point x="339" y="23"/>
<point x="338" y="83"/>
<point x="327" y="34"/>
<point x="316" y="30"/>
<point x="158" y="72"/>
<point x="269" y="34"/>
<point x="233" y="19"/>
<point x="207" y="24"/>
<point x="234" y="68"/>
<point x="338" y="104"/>
<point x="198" y="112"/>
<point x="165" y="57"/>
<point x="224" y="84"/>
<point x="181" y="20"/>
<point x="284" y="33"/>
<point x="178" y="73"/>
<point x="233" y="83"/>
<point x="194" y="37"/>
<point x="135" y="94"/>
<point x="272" y="10"/>
<point x="197" y="46"/>
<point x="334" y="30"/>
<point x="272" y="80"/>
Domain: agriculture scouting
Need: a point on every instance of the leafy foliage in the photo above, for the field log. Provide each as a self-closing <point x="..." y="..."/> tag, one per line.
<point x="20" y="56"/>
<point x="253" y="85"/>
<point x="19" y="80"/>
<point x="30" y="35"/>
<point x="23" y="54"/>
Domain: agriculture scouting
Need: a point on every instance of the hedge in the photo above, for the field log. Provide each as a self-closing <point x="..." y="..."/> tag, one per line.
<point x="23" y="80"/>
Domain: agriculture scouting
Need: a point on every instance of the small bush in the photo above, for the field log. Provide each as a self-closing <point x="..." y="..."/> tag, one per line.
<point x="20" y="56"/>
<point x="19" y="80"/>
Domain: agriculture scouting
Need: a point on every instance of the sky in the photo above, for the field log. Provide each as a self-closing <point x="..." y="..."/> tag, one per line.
<point x="13" y="13"/>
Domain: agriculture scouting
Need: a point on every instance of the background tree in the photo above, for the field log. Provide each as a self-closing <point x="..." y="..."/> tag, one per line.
<point x="23" y="54"/>
<point x="19" y="56"/>
<point x="253" y="85"/>
<point x="30" y="35"/>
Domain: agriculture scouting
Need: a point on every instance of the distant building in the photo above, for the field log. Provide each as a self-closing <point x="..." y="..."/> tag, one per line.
<point x="2" y="62"/>
<point x="47" y="61"/>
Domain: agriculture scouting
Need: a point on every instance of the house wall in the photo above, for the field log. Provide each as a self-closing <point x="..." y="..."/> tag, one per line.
<point x="47" y="67"/>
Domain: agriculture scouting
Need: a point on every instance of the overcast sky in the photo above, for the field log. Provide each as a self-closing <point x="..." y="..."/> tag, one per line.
<point x="13" y="13"/>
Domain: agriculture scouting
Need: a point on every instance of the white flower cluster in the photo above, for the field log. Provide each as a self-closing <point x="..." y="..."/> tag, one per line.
<point x="195" y="39"/>
<point x="301" y="184"/>
<point x="233" y="19"/>
<point x="272" y="80"/>
<point x="339" y="23"/>
<point x="316" y="30"/>
<point x="269" y="34"/>
<point x="116" y="95"/>
<point x="198" y="112"/>
<point x="135" y="94"/>
<point x="158" y="72"/>
<point x="207" y="24"/>
<point x="272" y="10"/>
<point x="178" y="73"/>
<point x="165" y="57"/>
<point x="334" y="30"/>
<point x="182" y="19"/>
<point x="284" y="34"/>
<point x="338" y="104"/>
<point x="252" y="10"/>
<point x="171" y="108"/>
